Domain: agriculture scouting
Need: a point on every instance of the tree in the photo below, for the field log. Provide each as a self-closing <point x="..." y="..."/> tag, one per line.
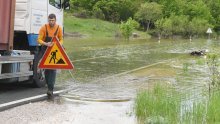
<point x="127" y="9"/>
<point x="167" y="27"/>
<point x="175" y="7"/>
<point x="127" y="27"/>
<point x="148" y="13"/>
<point x="116" y="10"/>
<point x="86" y="4"/>
<point x="178" y="23"/>
<point x="198" y="9"/>
<point x="199" y="26"/>
<point x="159" y="26"/>
<point x="214" y="6"/>
<point x="82" y="8"/>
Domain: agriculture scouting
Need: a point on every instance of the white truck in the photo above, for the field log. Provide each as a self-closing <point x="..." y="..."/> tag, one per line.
<point x="20" y="21"/>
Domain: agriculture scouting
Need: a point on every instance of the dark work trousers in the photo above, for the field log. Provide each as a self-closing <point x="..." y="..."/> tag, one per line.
<point x="50" y="76"/>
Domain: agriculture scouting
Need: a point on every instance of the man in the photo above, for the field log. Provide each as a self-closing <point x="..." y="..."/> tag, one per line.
<point x="46" y="33"/>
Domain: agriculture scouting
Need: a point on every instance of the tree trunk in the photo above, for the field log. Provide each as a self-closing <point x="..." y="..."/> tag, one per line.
<point x="159" y="36"/>
<point x="148" y="25"/>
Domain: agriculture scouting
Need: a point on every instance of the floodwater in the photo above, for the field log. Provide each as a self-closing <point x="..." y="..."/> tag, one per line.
<point x="114" y="71"/>
<point x="109" y="73"/>
<point x="117" y="68"/>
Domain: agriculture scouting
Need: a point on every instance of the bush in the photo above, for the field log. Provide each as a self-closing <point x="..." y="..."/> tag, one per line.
<point x="82" y="14"/>
<point x="128" y="27"/>
<point x="97" y="13"/>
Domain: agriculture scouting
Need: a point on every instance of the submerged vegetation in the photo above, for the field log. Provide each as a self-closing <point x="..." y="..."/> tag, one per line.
<point x="213" y="110"/>
<point x="213" y="64"/>
<point x="128" y="27"/>
<point x="163" y="104"/>
<point x="159" y="105"/>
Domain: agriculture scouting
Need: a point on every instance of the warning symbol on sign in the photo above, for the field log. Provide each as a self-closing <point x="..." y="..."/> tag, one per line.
<point x="55" y="57"/>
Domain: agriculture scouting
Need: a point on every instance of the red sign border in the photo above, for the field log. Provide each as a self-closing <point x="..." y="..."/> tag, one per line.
<point x="46" y="54"/>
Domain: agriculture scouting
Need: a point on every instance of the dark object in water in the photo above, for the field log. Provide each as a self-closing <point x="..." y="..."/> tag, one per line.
<point x="198" y="53"/>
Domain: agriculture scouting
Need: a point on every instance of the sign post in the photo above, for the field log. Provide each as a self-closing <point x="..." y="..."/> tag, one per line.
<point x="209" y="31"/>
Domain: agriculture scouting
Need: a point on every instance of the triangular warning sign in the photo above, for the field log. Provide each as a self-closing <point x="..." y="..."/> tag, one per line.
<point x="55" y="57"/>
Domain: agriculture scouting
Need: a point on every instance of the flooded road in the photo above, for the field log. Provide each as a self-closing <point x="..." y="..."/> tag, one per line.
<point x="72" y="112"/>
<point x="110" y="73"/>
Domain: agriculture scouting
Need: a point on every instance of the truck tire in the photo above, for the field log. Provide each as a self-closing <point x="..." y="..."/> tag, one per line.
<point x="39" y="76"/>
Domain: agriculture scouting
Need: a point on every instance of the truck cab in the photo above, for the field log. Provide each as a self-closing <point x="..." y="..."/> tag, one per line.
<point x="30" y="15"/>
<point x="18" y="46"/>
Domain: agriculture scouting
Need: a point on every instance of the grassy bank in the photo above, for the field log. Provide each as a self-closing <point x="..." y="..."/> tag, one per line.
<point x="90" y="27"/>
<point x="163" y="105"/>
<point x="94" y="28"/>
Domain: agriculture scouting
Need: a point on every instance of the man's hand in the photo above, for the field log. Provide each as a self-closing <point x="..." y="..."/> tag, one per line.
<point x="49" y="44"/>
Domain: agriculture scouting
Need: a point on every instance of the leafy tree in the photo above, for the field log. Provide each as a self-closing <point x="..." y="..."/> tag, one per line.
<point x="82" y="8"/>
<point x="86" y="4"/>
<point x="148" y="13"/>
<point x="167" y="27"/>
<point x="198" y="9"/>
<point x="97" y="12"/>
<point x="175" y="7"/>
<point x="127" y="27"/>
<point x="199" y="26"/>
<point x="178" y="23"/>
<point x="159" y="26"/>
<point x="188" y="30"/>
<point x="111" y="10"/>
<point x="168" y="17"/>
<point x="172" y="25"/>
<point x="116" y="10"/>
<point x="214" y="6"/>
<point x="127" y="9"/>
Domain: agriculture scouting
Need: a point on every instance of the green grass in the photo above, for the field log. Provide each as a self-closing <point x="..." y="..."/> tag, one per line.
<point x="157" y="106"/>
<point x="90" y="27"/>
<point x="93" y="28"/>
<point x="213" y="114"/>
<point x="162" y="105"/>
